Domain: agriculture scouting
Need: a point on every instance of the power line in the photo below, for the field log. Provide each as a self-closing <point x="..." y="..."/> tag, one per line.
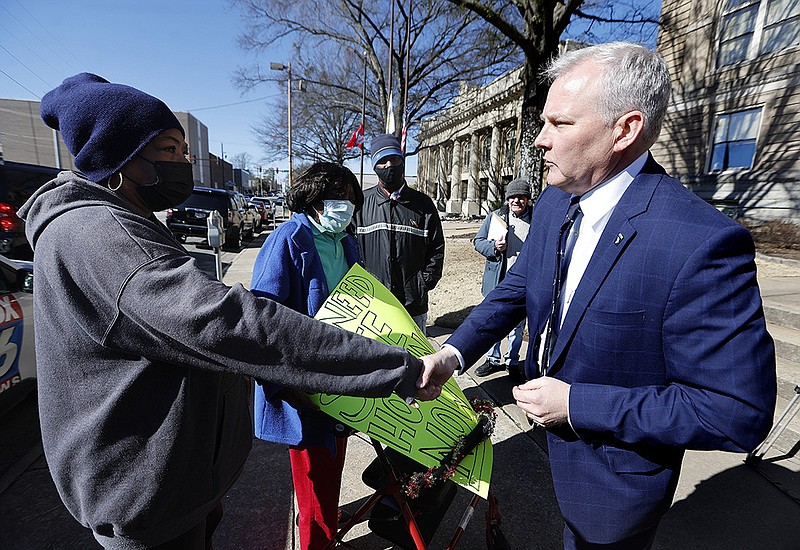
<point x="29" y="48"/>
<point x="232" y="104"/>
<point x="19" y="84"/>
<point x="51" y="35"/>
<point x="39" y="38"/>
<point x="34" y="73"/>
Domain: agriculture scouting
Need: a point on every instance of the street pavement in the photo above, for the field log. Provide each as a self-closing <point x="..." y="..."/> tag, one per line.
<point x="720" y="501"/>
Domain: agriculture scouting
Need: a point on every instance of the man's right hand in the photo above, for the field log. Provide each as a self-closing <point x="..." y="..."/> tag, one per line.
<point x="437" y="369"/>
<point x="500" y="244"/>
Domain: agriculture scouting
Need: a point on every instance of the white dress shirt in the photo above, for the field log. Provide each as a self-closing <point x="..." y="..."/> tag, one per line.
<point x="597" y="205"/>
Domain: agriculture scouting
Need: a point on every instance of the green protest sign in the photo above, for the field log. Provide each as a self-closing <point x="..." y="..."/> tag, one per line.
<point x="361" y="304"/>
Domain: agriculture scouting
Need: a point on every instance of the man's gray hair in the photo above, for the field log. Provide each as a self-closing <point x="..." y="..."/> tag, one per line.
<point x="634" y="79"/>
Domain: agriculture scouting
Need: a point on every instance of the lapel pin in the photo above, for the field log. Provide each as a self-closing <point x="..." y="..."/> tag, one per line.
<point x="619" y="238"/>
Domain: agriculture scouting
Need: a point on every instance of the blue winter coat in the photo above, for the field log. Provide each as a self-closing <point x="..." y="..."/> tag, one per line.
<point x="288" y="270"/>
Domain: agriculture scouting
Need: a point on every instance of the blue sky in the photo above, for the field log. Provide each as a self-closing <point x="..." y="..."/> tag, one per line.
<point x="183" y="52"/>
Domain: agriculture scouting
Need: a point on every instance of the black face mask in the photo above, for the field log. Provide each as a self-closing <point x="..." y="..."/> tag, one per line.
<point x="174" y="184"/>
<point x="391" y="177"/>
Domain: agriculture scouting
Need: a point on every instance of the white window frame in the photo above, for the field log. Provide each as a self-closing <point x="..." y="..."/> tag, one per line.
<point x="712" y="139"/>
<point x="756" y="42"/>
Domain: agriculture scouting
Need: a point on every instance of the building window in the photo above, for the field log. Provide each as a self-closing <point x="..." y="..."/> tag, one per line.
<point x="465" y="162"/>
<point x="781" y="26"/>
<point x="734" y="140"/>
<point x="750" y="28"/>
<point x="509" y="148"/>
<point x="486" y="151"/>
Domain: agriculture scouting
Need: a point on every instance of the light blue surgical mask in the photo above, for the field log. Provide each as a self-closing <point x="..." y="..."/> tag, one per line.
<point x="336" y="215"/>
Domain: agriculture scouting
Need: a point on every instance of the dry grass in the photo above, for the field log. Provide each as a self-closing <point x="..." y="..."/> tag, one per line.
<point x="460" y="288"/>
<point x="775" y="238"/>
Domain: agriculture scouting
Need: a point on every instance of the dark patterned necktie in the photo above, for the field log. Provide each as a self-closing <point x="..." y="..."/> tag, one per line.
<point x="566" y="241"/>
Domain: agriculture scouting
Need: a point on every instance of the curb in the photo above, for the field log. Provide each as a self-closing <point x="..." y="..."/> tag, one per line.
<point x="777" y="259"/>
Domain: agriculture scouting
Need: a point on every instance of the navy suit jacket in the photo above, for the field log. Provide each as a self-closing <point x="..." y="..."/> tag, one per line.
<point x="664" y="345"/>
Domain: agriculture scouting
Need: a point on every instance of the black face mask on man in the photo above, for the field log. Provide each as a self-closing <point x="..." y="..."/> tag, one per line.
<point x="392" y="177"/>
<point x="174" y="184"/>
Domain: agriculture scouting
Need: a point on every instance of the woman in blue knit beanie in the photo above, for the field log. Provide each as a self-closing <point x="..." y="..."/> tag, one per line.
<point x="111" y="128"/>
<point x="142" y="358"/>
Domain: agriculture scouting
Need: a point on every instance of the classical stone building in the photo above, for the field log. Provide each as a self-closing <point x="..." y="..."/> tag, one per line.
<point x="731" y="132"/>
<point x="469" y="152"/>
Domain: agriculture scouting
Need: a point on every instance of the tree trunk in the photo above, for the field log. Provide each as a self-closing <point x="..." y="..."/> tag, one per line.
<point x="531" y="165"/>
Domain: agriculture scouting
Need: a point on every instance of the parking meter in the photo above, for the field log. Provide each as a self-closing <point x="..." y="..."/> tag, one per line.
<point x="216" y="237"/>
<point x="216" y="233"/>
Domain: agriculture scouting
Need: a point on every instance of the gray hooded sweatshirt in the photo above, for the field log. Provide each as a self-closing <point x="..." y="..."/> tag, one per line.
<point x="141" y="358"/>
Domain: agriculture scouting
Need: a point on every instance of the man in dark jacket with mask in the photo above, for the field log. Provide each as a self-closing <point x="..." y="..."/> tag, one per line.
<point x="399" y="232"/>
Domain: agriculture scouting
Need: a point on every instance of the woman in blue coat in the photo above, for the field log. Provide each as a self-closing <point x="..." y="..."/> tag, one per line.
<point x="298" y="265"/>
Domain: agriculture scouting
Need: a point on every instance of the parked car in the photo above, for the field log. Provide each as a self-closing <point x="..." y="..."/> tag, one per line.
<point x="276" y="203"/>
<point x="189" y="219"/>
<point x="258" y="208"/>
<point x="18" y="181"/>
<point x="249" y="215"/>
<point x="266" y="204"/>
<point x="17" y="354"/>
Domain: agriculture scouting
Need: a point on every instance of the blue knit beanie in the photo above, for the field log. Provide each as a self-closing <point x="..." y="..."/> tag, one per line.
<point x="384" y="145"/>
<point x="103" y="124"/>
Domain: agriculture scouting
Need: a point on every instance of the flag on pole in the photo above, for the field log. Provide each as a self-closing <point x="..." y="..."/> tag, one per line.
<point x="404" y="131"/>
<point x="390" y="115"/>
<point x="357" y="139"/>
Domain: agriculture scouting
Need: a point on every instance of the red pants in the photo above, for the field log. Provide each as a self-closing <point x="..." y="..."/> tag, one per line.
<point x="317" y="477"/>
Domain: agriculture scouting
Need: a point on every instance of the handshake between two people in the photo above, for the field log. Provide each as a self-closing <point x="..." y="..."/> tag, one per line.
<point x="437" y="369"/>
<point x="545" y="400"/>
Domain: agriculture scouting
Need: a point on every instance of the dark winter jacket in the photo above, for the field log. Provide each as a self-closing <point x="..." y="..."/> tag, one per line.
<point x="402" y="244"/>
<point x="144" y="413"/>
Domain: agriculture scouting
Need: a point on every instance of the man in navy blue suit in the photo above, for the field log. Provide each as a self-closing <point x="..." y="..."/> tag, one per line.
<point x="658" y="342"/>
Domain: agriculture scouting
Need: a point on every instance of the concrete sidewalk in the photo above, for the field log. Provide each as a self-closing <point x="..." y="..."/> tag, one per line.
<point x="720" y="502"/>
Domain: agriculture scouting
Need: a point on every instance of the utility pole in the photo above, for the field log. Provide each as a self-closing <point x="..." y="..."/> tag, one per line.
<point x="288" y="69"/>
<point x="363" y="117"/>
<point x="289" y="94"/>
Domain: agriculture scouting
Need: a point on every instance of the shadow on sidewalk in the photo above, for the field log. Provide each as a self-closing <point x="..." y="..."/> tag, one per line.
<point x="733" y="509"/>
<point x="259" y="509"/>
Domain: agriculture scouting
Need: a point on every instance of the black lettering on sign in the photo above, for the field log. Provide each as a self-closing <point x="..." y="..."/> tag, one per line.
<point x="353" y="409"/>
<point x="393" y="425"/>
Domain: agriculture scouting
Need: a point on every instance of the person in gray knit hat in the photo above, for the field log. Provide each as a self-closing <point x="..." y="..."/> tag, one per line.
<point x="142" y="358"/>
<point x="500" y="254"/>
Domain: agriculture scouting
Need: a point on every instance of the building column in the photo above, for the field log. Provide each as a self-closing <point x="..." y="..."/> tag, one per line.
<point x="422" y="172"/>
<point x="471" y="206"/>
<point x="494" y="193"/>
<point x="454" y="202"/>
<point x="441" y="178"/>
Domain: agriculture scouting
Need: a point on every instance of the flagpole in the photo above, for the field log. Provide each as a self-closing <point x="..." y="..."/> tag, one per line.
<point x="404" y="129"/>
<point x="363" y="120"/>
<point x="391" y="63"/>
